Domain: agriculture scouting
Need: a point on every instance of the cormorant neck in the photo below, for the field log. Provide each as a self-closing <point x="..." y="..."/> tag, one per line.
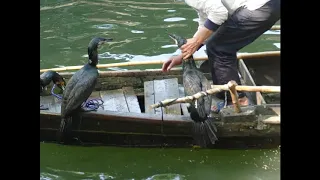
<point x="93" y="58"/>
<point x="189" y="63"/>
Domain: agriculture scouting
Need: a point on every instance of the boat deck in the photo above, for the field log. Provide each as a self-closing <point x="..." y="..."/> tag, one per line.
<point x="126" y="100"/>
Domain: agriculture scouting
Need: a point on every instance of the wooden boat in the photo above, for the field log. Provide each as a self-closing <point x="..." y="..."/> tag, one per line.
<point x="126" y="119"/>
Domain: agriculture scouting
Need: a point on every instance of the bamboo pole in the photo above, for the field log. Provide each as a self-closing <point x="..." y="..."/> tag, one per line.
<point x="157" y="62"/>
<point x="267" y="89"/>
<point x="215" y="89"/>
<point x="234" y="96"/>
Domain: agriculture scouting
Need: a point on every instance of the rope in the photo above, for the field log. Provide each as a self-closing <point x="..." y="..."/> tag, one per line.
<point x="92" y="104"/>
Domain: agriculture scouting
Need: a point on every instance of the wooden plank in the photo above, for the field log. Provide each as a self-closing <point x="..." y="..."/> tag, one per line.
<point x="49" y="102"/>
<point x="148" y="96"/>
<point x="184" y="106"/>
<point x="114" y="100"/>
<point x="167" y="89"/>
<point x="247" y="78"/>
<point x="57" y="104"/>
<point x="131" y="99"/>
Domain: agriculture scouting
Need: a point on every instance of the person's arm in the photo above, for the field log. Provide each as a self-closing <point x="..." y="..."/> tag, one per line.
<point x="216" y="15"/>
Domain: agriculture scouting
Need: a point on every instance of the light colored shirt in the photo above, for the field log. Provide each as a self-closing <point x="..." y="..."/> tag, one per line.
<point x="217" y="11"/>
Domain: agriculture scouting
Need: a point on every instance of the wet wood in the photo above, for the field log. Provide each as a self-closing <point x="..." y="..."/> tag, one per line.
<point x="148" y="97"/>
<point x="114" y="100"/>
<point x="184" y="106"/>
<point x="141" y="123"/>
<point x="131" y="99"/>
<point x="166" y="89"/>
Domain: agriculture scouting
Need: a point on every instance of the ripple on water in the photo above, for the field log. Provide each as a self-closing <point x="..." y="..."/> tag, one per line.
<point x="105" y="26"/>
<point x="169" y="46"/>
<point x="277" y="45"/>
<point x="171" y="10"/>
<point x="57" y="174"/>
<point x="166" y="176"/>
<point x="137" y="32"/>
<point x="272" y="32"/>
<point x="174" y="19"/>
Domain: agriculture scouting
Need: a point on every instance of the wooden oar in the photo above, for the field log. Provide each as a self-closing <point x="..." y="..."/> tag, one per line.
<point x="157" y="62"/>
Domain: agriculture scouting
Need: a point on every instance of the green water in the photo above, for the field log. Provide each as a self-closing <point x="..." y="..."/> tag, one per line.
<point x="138" y="28"/>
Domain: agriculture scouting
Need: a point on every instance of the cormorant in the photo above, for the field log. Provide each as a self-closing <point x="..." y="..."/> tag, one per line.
<point x="46" y="78"/>
<point x="194" y="81"/>
<point x="79" y="88"/>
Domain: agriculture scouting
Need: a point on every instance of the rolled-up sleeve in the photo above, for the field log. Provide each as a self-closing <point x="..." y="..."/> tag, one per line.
<point x="216" y="14"/>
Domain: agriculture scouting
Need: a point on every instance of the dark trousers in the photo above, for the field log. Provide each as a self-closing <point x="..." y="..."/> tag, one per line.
<point x="239" y="30"/>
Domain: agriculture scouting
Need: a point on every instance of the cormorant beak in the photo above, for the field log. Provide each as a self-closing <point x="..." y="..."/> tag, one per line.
<point x="173" y="38"/>
<point x="104" y="41"/>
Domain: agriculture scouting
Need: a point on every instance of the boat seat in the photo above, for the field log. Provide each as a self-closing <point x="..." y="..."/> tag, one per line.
<point x="159" y="90"/>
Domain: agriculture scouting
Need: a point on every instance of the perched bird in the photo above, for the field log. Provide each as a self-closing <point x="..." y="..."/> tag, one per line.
<point x="194" y="81"/>
<point x="45" y="80"/>
<point x="79" y="88"/>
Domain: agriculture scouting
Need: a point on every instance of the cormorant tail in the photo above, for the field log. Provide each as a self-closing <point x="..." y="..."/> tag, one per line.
<point x="197" y="114"/>
<point x="204" y="130"/>
<point x="64" y="129"/>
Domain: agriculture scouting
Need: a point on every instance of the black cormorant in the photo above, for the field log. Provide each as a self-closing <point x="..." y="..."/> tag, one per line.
<point x="46" y="78"/>
<point x="194" y="81"/>
<point x="79" y="88"/>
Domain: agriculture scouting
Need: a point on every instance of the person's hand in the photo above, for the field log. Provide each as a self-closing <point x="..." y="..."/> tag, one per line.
<point x="171" y="62"/>
<point x="190" y="47"/>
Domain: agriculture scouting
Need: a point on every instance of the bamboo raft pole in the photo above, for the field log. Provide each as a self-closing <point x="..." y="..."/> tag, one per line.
<point x="157" y="62"/>
<point x="214" y="90"/>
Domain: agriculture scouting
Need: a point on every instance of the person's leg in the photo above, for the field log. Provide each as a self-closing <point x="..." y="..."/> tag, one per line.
<point x="241" y="29"/>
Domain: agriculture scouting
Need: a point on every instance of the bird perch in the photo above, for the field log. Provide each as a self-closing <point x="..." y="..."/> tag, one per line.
<point x="216" y="89"/>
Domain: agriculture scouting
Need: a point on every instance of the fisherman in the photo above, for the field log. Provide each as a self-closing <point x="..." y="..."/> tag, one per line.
<point x="235" y="24"/>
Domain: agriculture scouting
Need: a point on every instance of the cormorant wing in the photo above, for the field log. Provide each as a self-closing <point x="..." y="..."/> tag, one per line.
<point x="79" y="93"/>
